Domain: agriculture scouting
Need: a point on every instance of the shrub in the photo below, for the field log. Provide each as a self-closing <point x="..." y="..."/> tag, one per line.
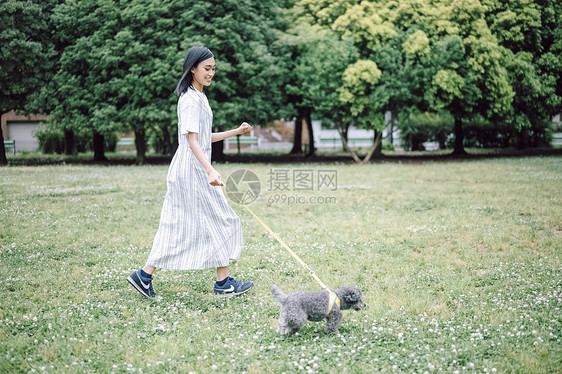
<point x="110" y="142"/>
<point x="386" y="146"/>
<point x="416" y="129"/>
<point x="481" y="133"/>
<point x="51" y="138"/>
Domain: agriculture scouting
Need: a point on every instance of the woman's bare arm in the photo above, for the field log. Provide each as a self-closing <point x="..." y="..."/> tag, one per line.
<point x="218" y="136"/>
<point x="214" y="176"/>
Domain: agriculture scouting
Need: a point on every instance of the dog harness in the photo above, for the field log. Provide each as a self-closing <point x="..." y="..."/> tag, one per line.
<point x="334" y="299"/>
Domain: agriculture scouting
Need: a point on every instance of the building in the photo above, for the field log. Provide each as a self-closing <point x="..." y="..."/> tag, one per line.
<point x="21" y="129"/>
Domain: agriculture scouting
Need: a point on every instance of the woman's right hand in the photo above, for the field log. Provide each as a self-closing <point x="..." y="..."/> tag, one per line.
<point x="215" y="178"/>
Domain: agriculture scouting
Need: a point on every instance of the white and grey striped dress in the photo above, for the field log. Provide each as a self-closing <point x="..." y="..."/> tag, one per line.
<point x="198" y="229"/>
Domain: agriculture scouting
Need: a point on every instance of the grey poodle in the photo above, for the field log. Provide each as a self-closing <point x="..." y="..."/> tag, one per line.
<point x="298" y="307"/>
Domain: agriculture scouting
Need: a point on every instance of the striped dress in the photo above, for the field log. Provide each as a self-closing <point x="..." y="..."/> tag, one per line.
<point x="198" y="229"/>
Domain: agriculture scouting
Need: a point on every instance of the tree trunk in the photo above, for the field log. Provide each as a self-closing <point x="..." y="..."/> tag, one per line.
<point x="308" y="118"/>
<point x="459" y="137"/>
<point x="391" y="134"/>
<point x="345" y="133"/>
<point x="217" y="151"/>
<point x="347" y="148"/>
<point x="70" y="143"/>
<point x="297" y="143"/>
<point x="140" y="145"/>
<point x="99" y="147"/>
<point x="377" y="143"/>
<point x="523" y="138"/>
<point x="175" y="143"/>
<point x="167" y="151"/>
<point x="374" y="147"/>
<point x="3" y="159"/>
<point x="370" y="153"/>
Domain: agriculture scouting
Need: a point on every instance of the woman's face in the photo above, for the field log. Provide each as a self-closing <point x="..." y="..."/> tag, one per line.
<point x="204" y="72"/>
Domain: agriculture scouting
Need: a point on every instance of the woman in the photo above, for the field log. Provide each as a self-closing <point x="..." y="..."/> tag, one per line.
<point x="198" y="229"/>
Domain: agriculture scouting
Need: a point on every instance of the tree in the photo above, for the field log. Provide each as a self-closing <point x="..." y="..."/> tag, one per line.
<point x="120" y="62"/>
<point x="532" y="35"/>
<point x="359" y="80"/>
<point x="350" y="23"/>
<point x="379" y="42"/>
<point x="448" y="59"/>
<point x="249" y="75"/>
<point x="319" y="60"/>
<point x="294" y="41"/>
<point x="320" y="75"/>
<point x="406" y="66"/>
<point x="137" y="62"/>
<point x="26" y="55"/>
<point x="77" y="94"/>
<point x="470" y="79"/>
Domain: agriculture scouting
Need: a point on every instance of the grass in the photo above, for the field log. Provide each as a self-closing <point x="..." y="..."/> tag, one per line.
<point x="459" y="263"/>
<point x="25" y="158"/>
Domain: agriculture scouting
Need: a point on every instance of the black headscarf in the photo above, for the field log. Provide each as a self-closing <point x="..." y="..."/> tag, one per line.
<point x="194" y="56"/>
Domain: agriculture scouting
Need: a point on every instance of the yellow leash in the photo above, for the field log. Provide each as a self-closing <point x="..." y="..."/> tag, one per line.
<point x="311" y="272"/>
<point x="333" y="297"/>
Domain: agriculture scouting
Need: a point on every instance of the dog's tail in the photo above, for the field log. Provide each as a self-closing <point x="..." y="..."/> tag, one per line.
<point x="278" y="294"/>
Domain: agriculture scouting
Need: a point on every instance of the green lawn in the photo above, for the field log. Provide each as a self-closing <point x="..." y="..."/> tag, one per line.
<point x="459" y="263"/>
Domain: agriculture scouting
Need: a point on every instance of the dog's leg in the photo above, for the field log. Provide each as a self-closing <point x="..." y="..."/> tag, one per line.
<point x="286" y="329"/>
<point x="333" y="321"/>
<point x="282" y="327"/>
<point x="298" y="321"/>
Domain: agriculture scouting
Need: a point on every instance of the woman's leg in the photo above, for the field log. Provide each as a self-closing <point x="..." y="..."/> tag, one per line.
<point x="141" y="282"/>
<point x="149" y="269"/>
<point x="222" y="273"/>
<point x="226" y="286"/>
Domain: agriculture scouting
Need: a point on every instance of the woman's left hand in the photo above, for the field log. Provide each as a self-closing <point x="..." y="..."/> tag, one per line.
<point x="244" y="128"/>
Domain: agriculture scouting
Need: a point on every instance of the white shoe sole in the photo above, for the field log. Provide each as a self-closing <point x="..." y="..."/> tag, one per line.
<point x="130" y="280"/>
<point x="221" y="295"/>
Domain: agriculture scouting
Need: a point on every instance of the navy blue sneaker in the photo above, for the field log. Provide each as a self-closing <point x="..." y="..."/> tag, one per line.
<point x="232" y="287"/>
<point x="140" y="284"/>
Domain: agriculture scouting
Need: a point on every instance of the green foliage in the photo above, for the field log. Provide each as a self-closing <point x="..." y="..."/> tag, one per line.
<point x="531" y="33"/>
<point x="386" y="146"/>
<point x="517" y="23"/>
<point x="107" y="66"/>
<point x="26" y="54"/>
<point x="321" y="60"/>
<point x="249" y="74"/>
<point x="119" y="62"/>
<point x="364" y="25"/>
<point x="417" y="46"/>
<point x="51" y="140"/>
<point x="448" y="85"/>
<point x="26" y="51"/>
<point x="485" y="134"/>
<point x="326" y="12"/>
<point x="471" y="79"/>
<point x="358" y="82"/>
<point x="463" y="56"/>
<point x="80" y="92"/>
<point x="418" y="128"/>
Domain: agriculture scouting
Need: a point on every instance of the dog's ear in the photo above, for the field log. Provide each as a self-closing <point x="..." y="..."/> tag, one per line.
<point x="351" y="295"/>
